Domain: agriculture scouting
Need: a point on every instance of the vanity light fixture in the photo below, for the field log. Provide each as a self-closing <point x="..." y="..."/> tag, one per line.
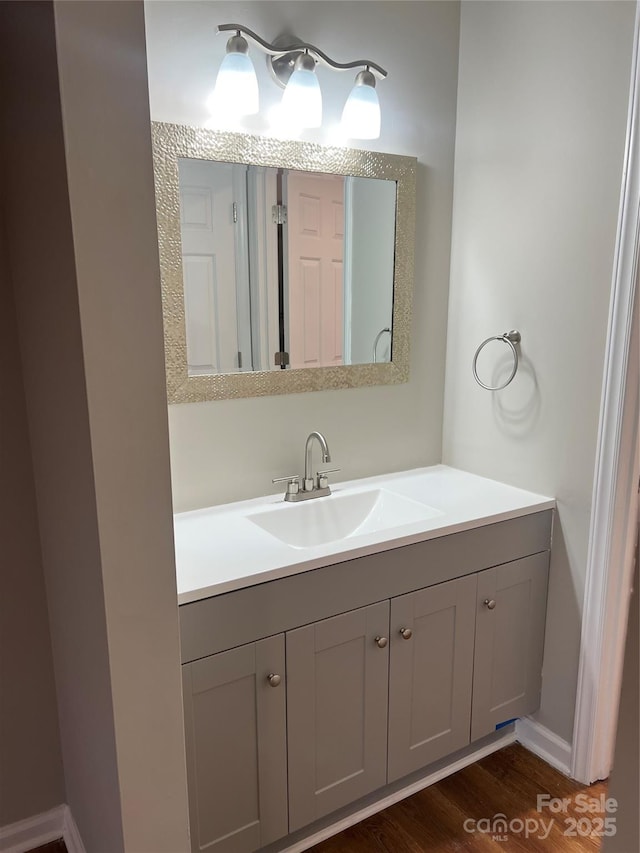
<point x="236" y="90"/>
<point x="361" y="114"/>
<point x="302" y="98"/>
<point x="292" y="64"/>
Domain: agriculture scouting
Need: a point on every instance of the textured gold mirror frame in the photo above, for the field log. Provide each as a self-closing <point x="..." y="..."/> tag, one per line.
<point x="171" y="142"/>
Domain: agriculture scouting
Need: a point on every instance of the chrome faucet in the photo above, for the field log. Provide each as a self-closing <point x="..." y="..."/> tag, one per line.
<point x="311" y="487"/>
<point x="309" y="484"/>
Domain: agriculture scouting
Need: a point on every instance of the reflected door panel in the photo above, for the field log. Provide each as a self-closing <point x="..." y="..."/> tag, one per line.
<point x="210" y="197"/>
<point x="315" y="206"/>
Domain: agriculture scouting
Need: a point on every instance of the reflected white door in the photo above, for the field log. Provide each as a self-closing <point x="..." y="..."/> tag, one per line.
<point x="315" y="268"/>
<point x="209" y="258"/>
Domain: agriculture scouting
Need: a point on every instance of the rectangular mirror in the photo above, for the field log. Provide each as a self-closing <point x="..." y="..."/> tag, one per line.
<point x="284" y="269"/>
<point x="285" y="266"/>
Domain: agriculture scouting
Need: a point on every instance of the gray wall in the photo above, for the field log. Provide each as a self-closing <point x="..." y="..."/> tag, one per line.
<point x="542" y="107"/>
<point x="625" y="777"/>
<point x="31" y="777"/>
<point x="89" y="319"/>
<point x="229" y="450"/>
<point x="51" y="351"/>
<point x="625" y="784"/>
<point x="105" y="108"/>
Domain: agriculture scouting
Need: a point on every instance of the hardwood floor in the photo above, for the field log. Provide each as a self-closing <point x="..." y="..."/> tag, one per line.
<point x="52" y="847"/>
<point x="506" y="783"/>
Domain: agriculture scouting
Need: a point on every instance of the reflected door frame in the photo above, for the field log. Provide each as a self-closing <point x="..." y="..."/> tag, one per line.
<point x="263" y="266"/>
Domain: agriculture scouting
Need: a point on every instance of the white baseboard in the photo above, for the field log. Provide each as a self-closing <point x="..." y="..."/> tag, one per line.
<point x="544" y="743"/>
<point x="40" y="829"/>
<point x="71" y="835"/>
<point x="32" y="831"/>
<point x="391" y="799"/>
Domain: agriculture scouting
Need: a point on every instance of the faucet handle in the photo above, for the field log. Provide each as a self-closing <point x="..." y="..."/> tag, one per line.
<point x="321" y="477"/>
<point x="292" y="481"/>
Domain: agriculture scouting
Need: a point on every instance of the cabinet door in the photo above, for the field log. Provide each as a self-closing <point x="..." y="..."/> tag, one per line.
<point x="510" y="618"/>
<point x="337" y="693"/>
<point x="235" y="725"/>
<point x="430" y="676"/>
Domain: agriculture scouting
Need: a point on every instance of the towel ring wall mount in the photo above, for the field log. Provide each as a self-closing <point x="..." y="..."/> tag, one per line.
<point x="511" y="339"/>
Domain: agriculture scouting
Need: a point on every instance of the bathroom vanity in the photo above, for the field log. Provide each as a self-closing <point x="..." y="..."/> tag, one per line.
<point x="330" y="670"/>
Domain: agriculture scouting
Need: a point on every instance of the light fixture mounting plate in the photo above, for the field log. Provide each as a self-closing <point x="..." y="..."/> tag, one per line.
<point x="281" y="65"/>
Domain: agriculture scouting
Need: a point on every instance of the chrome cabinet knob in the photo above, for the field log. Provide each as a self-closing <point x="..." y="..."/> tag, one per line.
<point x="489" y="603"/>
<point x="406" y="633"/>
<point x="273" y="679"/>
<point x="381" y="642"/>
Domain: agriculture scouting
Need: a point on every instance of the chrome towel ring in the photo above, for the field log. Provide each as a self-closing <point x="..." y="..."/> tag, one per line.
<point x="511" y="339"/>
<point x="375" y="343"/>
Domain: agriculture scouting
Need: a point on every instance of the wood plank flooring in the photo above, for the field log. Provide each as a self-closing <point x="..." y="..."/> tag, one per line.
<point x="433" y="821"/>
<point x="506" y="783"/>
<point x="52" y="847"/>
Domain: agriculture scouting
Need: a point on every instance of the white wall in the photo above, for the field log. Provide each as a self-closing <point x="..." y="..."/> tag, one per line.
<point x="229" y="450"/>
<point x="542" y="104"/>
<point x="372" y="238"/>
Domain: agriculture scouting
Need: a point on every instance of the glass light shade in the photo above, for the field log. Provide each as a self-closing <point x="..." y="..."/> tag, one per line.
<point x="361" y="113"/>
<point x="302" y="99"/>
<point x="236" y="90"/>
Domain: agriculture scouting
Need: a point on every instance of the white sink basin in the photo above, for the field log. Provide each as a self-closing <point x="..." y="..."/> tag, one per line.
<point x="222" y="548"/>
<point x="336" y="517"/>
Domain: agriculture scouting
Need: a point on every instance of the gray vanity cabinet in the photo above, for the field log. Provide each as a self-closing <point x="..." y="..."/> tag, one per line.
<point x="337" y="696"/>
<point x="360" y="705"/>
<point x="510" y="620"/>
<point x="235" y="727"/>
<point x="431" y="669"/>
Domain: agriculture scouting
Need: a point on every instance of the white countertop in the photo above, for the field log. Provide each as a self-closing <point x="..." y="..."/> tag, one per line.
<point x="220" y="549"/>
